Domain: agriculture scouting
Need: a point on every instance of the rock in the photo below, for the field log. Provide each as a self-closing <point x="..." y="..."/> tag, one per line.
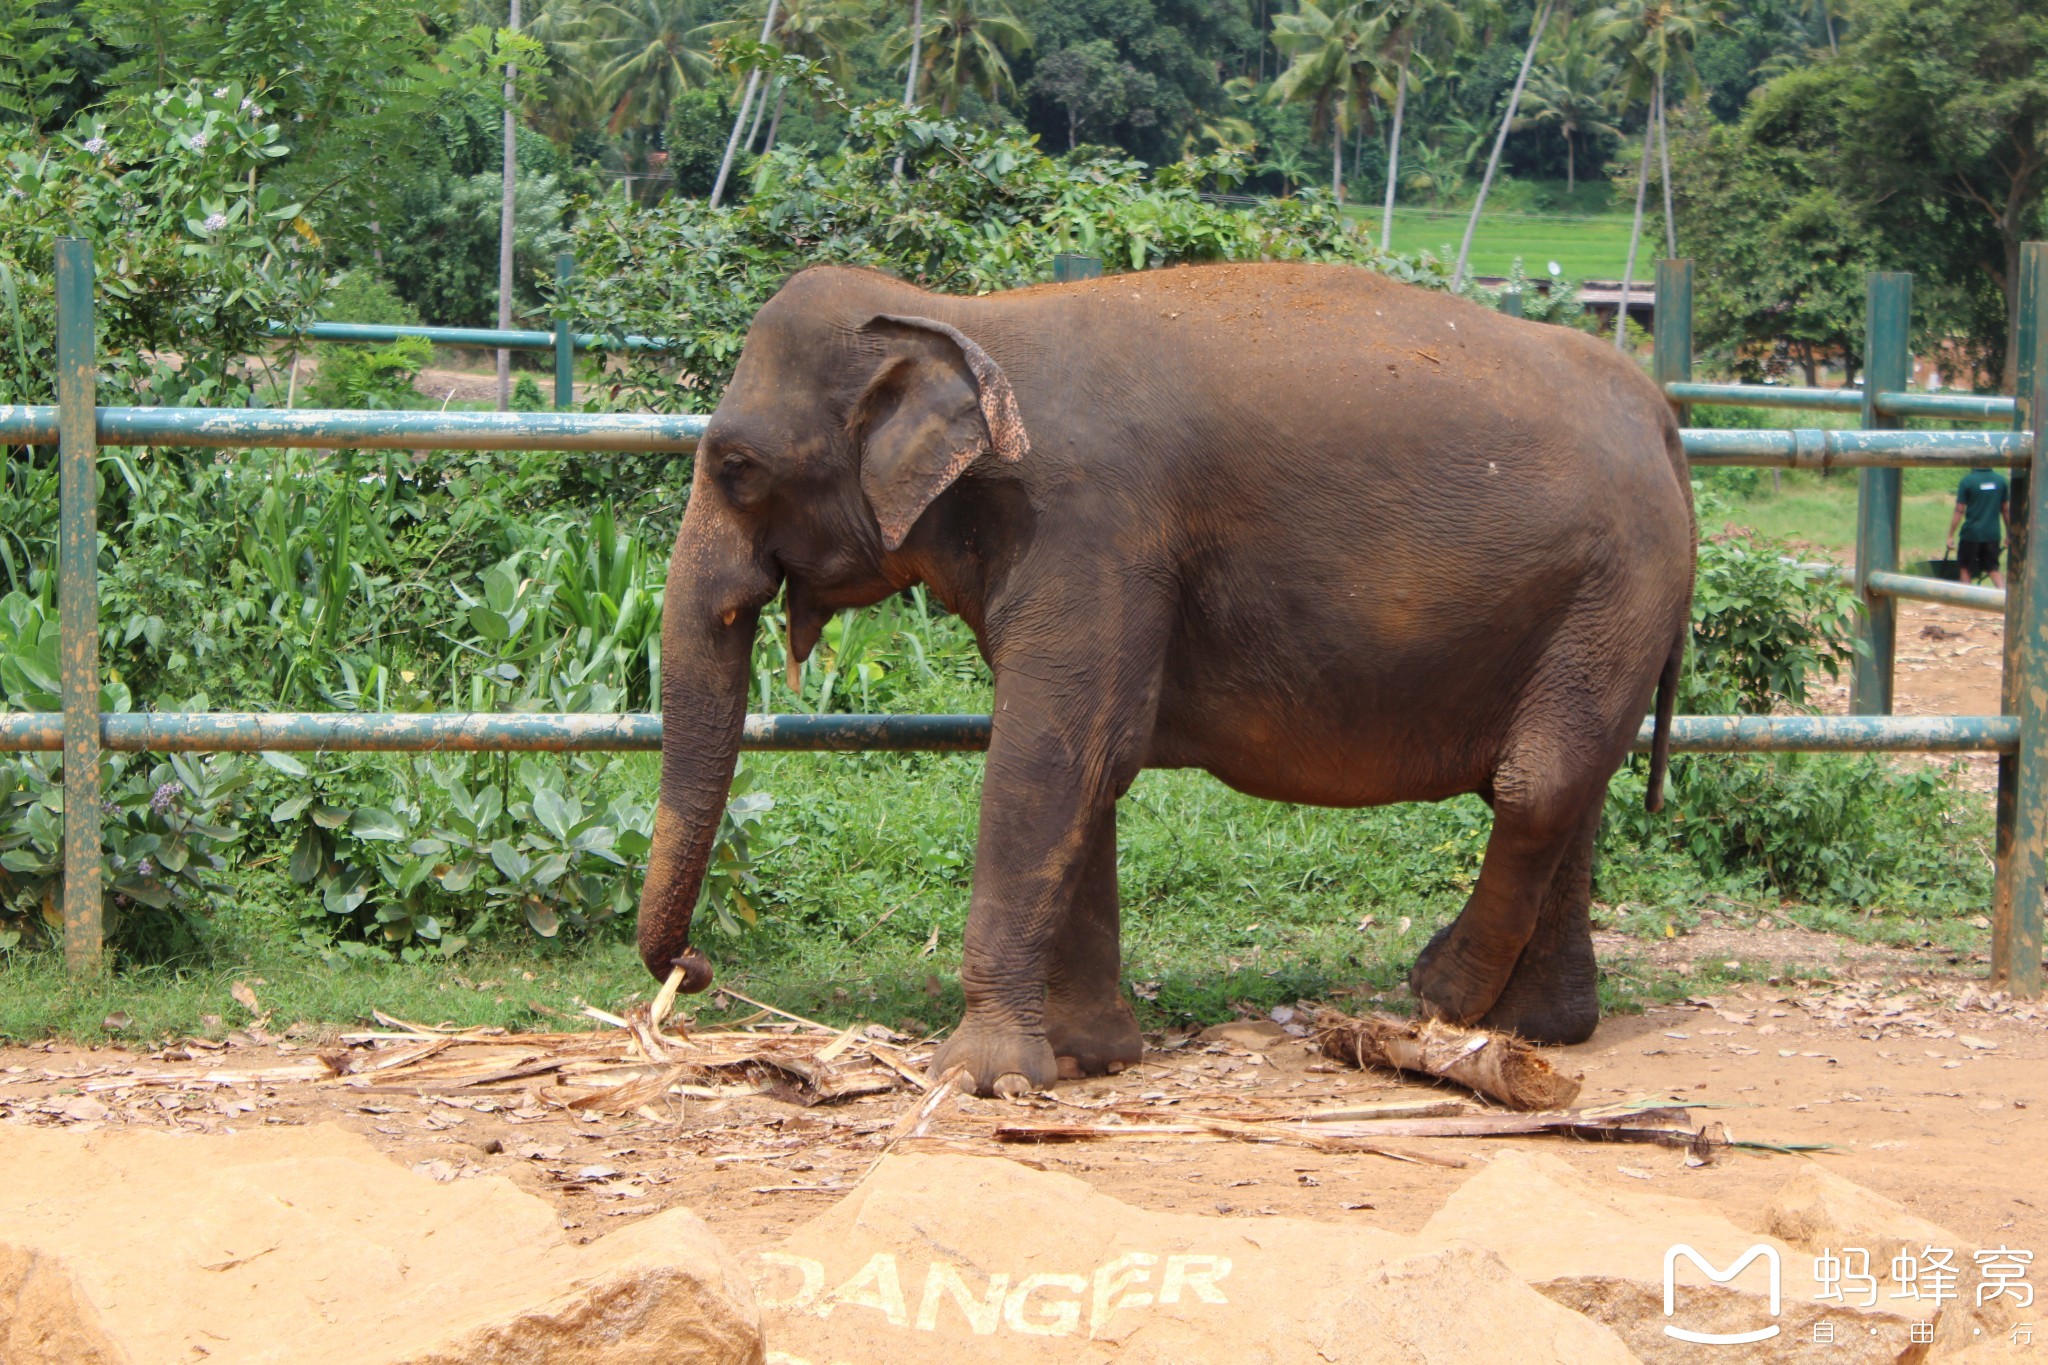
<point x="1601" y="1251"/>
<point x="1817" y="1209"/>
<point x="305" y="1244"/>
<point x="939" y="1259"/>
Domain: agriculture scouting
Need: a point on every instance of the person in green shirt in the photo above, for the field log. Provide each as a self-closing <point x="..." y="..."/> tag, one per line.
<point x="1982" y="507"/>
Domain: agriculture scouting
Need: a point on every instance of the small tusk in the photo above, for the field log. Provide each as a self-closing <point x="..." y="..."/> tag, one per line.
<point x="730" y="616"/>
<point x="795" y="675"/>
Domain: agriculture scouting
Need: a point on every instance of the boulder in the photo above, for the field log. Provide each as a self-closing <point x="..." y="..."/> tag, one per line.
<point x="307" y="1245"/>
<point x="1817" y="1209"/>
<point x="1602" y="1250"/>
<point x="938" y="1259"/>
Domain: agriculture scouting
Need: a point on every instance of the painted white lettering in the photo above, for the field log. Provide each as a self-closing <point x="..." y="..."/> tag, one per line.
<point x="875" y="1285"/>
<point x="812" y="1285"/>
<point x="982" y="1314"/>
<point x="1133" y="1267"/>
<point x="1195" y="1273"/>
<point x="1062" y="1316"/>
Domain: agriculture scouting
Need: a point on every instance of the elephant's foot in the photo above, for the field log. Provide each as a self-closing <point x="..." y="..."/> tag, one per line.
<point x="1551" y="997"/>
<point x="999" y="1060"/>
<point x="1447" y="982"/>
<point x="1097" y="1037"/>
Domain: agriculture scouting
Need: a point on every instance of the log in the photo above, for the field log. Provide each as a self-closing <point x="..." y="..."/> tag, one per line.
<point x="1499" y="1066"/>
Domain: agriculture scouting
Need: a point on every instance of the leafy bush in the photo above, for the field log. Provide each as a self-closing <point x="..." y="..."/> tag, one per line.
<point x="975" y="209"/>
<point x="196" y="254"/>
<point x="371" y="376"/>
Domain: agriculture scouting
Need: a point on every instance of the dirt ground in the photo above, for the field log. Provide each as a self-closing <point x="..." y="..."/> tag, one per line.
<point x="1924" y="1087"/>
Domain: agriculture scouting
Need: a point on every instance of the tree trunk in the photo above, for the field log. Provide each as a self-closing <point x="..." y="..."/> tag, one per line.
<point x="775" y="120"/>
<point x="505" y="220"/>
<point x="1571" y="165"/>
<point x="1072" y="131"/>
<point x="760" y="116"/>
<point x="739" y="120"/>
<point x="1827" y="14"/>
<point x="1635" y="235"/>
<point x="1337" y="163"/>
<point x="1500" y="140"/>
<point x="1394" y="156"/>
<point x="1664" y="154"/>
<point x="910" y="76"/>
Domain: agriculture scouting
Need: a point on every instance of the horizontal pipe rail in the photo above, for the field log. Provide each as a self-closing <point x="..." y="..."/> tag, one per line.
<point x="1919" y="589"/>
<point x="1956" y="407"/>
<point x="243" y="732"/>
<point x="337" y="428"/>
<point x="1959" y="407"/>
<point x="1814" y="449"/>
<point x="489" y="338"/>
<point x="242" y="428"/>
<point x="1766" y="395"/>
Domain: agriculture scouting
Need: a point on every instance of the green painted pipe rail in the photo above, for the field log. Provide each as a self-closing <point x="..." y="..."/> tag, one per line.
<point x="277" y="732"/>
<point x="1918" y="589"/>
<point x="336" y="428"/>
<point x="1960" y="407"/>
<point x="242" y="428"/>
<point x="488" y="338"/>
<point x="1811" y="448"/>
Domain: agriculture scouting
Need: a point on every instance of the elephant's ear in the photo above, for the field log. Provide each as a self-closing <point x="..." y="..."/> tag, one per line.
<point x="935" y="404"/>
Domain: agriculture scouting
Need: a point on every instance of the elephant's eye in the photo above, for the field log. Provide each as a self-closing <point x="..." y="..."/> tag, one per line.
<point x="743" y="478"/>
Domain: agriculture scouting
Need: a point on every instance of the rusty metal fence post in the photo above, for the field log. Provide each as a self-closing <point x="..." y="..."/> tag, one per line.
<point x="2023" y="812"/>
<point x="1887" y="368"/>
<point x="1671" y="351"/>
<point x="565" y="340"/>
<point x="78" y="601"/>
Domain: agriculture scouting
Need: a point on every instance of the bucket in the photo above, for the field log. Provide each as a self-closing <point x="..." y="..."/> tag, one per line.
<point x="1950" y="570"/>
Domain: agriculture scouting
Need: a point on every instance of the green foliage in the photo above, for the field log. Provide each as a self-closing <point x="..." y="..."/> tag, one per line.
<point x="196" y="252"/>
<point x="974" y="211"/>
<point x="371" y="376"/>
<point x="1763" y="628"/>
<point x="699" y="123"/>
<point x="34" y="76"/>
<point x="441" y="245"/>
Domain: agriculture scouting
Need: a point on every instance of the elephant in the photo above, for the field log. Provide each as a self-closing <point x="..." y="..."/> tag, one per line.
<point x="1335" y="539"/>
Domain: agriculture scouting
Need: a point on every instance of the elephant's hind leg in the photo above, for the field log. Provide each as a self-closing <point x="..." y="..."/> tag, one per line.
<point x="1552" y="996"/>
<point x="1087" y="1019"/>
<point x="1545" y="794"/>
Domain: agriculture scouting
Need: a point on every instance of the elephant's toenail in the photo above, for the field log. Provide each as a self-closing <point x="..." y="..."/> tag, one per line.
<point x="1012" y="1084"/>
<point x="1116" y="1068"/>
<point x="1070" y="1069"/>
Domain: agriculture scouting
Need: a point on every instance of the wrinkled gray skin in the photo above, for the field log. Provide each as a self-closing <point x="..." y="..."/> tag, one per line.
<point x="1333" y="539"/>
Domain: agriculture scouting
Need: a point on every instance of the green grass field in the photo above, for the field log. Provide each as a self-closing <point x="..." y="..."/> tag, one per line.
<point x="1584" y="246"/>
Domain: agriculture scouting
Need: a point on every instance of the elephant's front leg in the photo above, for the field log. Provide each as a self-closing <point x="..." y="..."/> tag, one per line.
<point x="1087" y="1019"/>
<point x="1040" y="963"/>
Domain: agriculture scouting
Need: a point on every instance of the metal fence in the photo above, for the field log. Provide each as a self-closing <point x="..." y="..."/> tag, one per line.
<point x="2019" y="736"/>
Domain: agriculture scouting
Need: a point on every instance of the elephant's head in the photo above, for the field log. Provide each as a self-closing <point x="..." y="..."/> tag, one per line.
<point x="851" y="410"/>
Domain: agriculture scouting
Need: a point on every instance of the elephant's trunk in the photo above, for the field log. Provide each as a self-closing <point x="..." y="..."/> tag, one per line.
<point x="715" y="592"/>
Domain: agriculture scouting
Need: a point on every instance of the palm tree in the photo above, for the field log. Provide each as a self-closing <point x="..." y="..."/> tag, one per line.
<point x="965" y="46"/>
<point x="822" y="31"/>
<point x="1288" y="165"/>
<point x="1572" y="91"/>
<point x="651" y="51"/>
<point x="1413" y="31"/>
<point x="1654" y="40"/>
<point x="1507" y="121"/>
<point x="1334" y="68"/>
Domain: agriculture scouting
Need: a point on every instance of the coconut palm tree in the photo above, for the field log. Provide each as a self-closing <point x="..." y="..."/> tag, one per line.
<point x="1507" y="121"/>
<point x="1653" y="40"/>
<point x="1286" y="163"/>
<point x="822" y="31"/>
<point x="1413" y="32"/>
<point x="1334" y="67"/>
<point x="650" y="52"/>
<point x="965" y="45"/>
<point x="1572" y="91"/>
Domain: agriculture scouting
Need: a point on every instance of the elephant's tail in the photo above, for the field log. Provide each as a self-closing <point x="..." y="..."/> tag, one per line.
<point x="1660" y="737"/>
